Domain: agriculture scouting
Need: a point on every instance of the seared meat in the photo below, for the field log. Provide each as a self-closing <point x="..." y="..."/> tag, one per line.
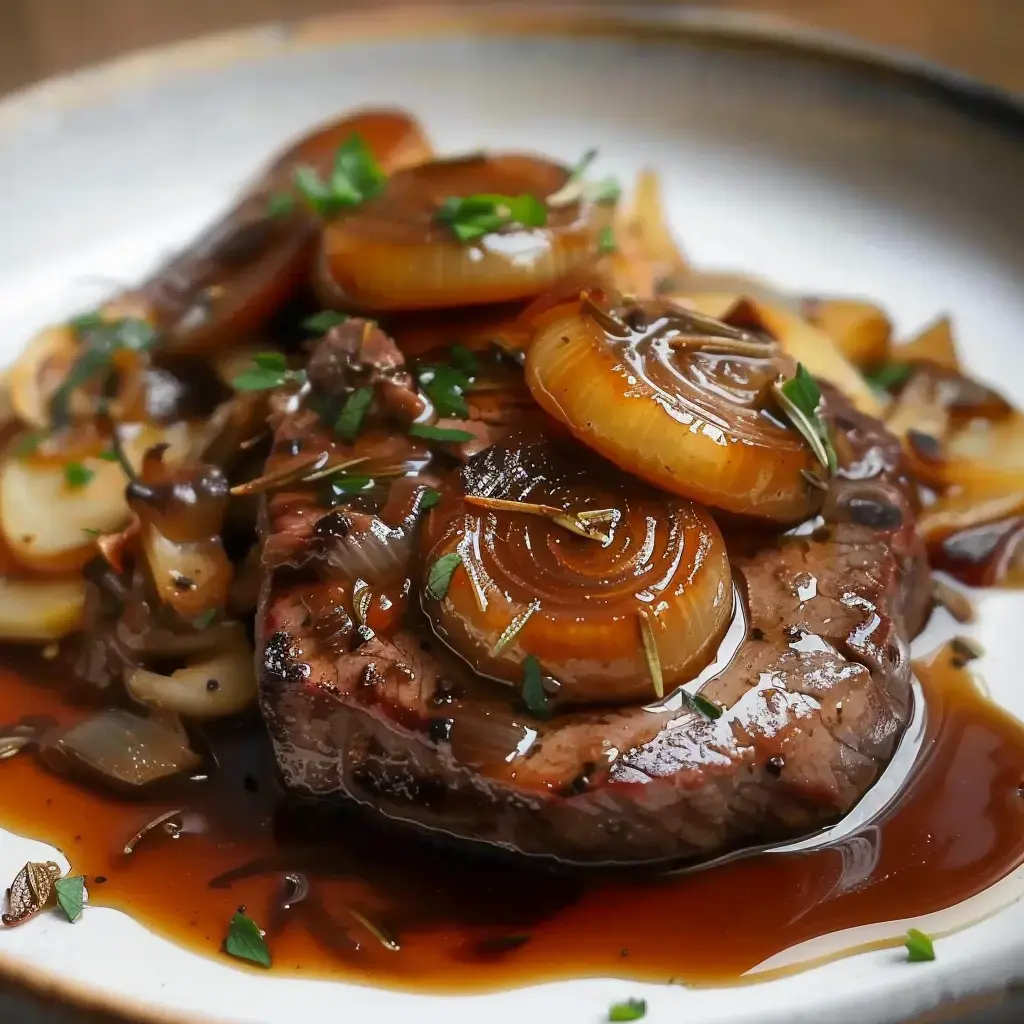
<point x="364" y="704"/>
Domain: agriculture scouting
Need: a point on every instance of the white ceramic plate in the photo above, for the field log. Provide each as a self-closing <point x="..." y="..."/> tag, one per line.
<point x="824" y="173"/>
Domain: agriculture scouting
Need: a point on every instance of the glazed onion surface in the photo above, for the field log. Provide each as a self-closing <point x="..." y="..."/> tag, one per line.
<point x="525" y="584"/>
<point x="393" y="254"/>
<point x="657" y="395"/>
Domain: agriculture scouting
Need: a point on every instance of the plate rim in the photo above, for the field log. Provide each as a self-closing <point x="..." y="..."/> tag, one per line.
<point x="677" y="24"/>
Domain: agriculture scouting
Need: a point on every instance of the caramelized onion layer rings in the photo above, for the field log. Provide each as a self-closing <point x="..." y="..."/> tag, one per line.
<point x="694" y="421"/>
<point x="392" y="254"/>
<point x="240" y="270"/>
<point x="526" y="585"/>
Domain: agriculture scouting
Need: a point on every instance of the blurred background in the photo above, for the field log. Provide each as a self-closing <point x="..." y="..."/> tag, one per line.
<point x="983" y="38"/>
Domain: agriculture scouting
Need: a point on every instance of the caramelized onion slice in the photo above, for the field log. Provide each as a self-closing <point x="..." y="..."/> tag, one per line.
<point x="527" y="585"/>
<point x="933" y="344"/>
<point x="220" y="683"/>
<point x="392" y="254"/>
<point x="982" y="457"/>
<point x="693" y="422"/>
<point x="38" y="611"/>
<point x="245" y="266"/>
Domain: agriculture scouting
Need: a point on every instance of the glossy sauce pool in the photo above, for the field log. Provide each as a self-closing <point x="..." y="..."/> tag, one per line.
<point x="464" y="925"/>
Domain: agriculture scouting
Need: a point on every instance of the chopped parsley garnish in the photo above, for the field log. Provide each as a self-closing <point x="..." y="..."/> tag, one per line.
<point x="889" y="376"/>
<point x="631" y="1009"/>
<point x="440" y="576"/>
<point x="321" y="323"/>
<point x="100" y="339"/>
<point x="71" y="896"/>
<point x="430" y="499"/>
<point x="280" y="204"/>
<point x="109" y="455"/>
<point x="464" y="359"/>
<point x="352" y="414"/>
<point x="270" y="370"/>
<point x="606" y="241"/>
<point x="800" y="399"/>
<point x="77" y="475"/>
<point x="472" y="217"/>
<point x="708" y="708"/>
<point x="431" y="433"/>
<point x="607" y="190"/>
<point x="534" y="695"/>
<point x="28" y="444"/>
<point x="919" y="947"/>
<point x="205" y="620"/>
<point x="445" y="387"/>
<point x="356" y="177"/>
<point x="245" y="940"/>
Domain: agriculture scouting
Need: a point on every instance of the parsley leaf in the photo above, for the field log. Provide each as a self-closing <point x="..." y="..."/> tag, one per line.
<point x="440" y="576"/>
<point x="245" y="941"/>
<point x="631" y="1009"/>
<point x="353" y="412"/>
<point x="109" y="455"/>
<point x="356" y="177"/>
<point x="280" y="204"/>
<point x="270" y="370"/>
<point x="100" y="339"/>
<point x="799" y="399"/>
<point x="889" y="376"/>
<point x="606" y="241"/>
<point x="431" y="433"/>
<point x="607" y="190"/>
<point x="445" y="387"/>
<point x="533" y="693"/>
<point x="321" y="323"/>
<point x="919" y="947"/>
<point x="77" y="475"/>
<point x="708" y="708"/>
<point x="71" y="896"/>
<point x="430" y="499"/>
<point x="472" y="217"/>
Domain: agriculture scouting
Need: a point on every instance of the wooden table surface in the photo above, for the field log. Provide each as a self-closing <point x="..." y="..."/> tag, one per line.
<point x="984" y="38"/>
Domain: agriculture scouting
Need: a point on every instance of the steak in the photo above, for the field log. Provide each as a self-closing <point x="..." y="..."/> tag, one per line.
<point x="364" y="704"/>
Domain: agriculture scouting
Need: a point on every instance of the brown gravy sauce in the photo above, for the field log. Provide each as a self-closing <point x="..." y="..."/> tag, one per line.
<point x="467" y="924"/>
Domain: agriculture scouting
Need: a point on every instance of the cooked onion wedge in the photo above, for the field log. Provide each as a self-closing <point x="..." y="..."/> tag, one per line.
<point x="690" y="421"/>
<point x="934" y="344"/>
<point x="982" y="457"/>
<point x="861" y="330"/>
<point x="40" y="367"/>
<point x="529" y="582"/>
<point x="40" y="611"/>
<point x="393" y="254"/>
<point x="221" y="683"/>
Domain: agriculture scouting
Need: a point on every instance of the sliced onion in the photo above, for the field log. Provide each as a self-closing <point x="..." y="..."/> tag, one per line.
<point x="220" y="683"/>
<point x="527" y="584"/>
<point x="981" y="457"/>
<point x="122" y="750"/>
<point x="691" y="424"/>
<point x="38" y="611"/>
<point x="647" y="259"/>
<point x="392" y="255"/>
<point x="934" y="344"/>
<point x="861" y="330"/>
<point x="372" y="551"/>
<point x="965" y="510"/>
<point x="42" y="364"/>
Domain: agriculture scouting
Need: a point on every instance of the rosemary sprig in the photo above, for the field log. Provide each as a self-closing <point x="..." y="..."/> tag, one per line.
<point x="512" y="630"/>
<point x="651" y="652"/>
<point x="583" y="524"/>
<point x="723" y="346"/>
<point x="800" y="399"/>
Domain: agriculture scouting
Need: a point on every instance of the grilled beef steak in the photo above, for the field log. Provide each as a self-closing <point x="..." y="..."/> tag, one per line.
<point x="365" y="704"/>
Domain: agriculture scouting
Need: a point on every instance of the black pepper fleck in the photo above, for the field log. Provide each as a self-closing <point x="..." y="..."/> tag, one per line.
<point x="775" y="765"/>
<point x="212" y="685"/>
<point x="440" y="729"/>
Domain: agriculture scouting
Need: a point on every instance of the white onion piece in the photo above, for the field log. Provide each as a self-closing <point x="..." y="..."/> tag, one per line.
<point x="39" y="611"/>
<point x="52" y="349"/>
<point x="221" y="683"/>
<point x="373" y="551"/>
<point x="122" y="749"/>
